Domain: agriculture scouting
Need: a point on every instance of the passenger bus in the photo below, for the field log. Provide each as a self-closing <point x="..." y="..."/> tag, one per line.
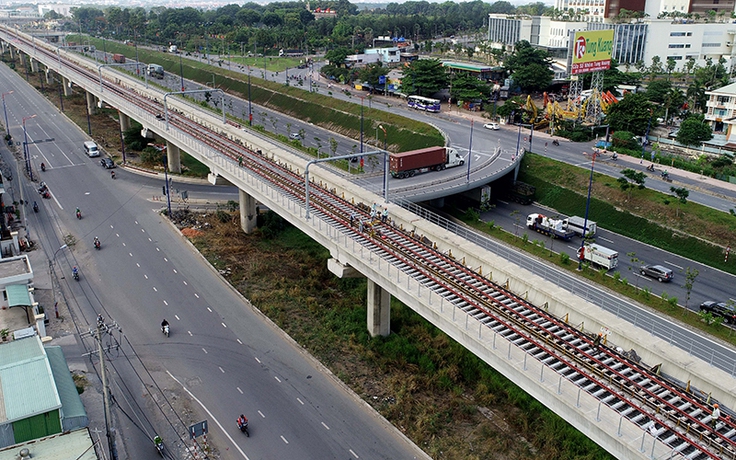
<point x="424" y="103"/>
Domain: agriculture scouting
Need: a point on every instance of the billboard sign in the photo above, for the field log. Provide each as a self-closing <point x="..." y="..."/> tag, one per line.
<point x="591" y="51"/>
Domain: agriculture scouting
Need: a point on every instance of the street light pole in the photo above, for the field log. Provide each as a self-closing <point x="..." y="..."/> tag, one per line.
<point x="361" y="124"/>
<point x="250" y="108"/>
<point x="587" y="209"/>
<point x="470" y="151"/>
<point x="25" y="146"/>
<point x="5" y="111"/>
<point x="181" y="70"/>
<point x="385" y="163"/>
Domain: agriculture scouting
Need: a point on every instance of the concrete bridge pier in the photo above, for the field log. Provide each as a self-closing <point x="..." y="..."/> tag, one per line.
<point x="173" y="157"/>
<point x="124" y="122"/>
<point x="379" y="310"/>
<point x="248" y="212"/>
<point x="67" y="86"/>
<point x="46" y="72"/>
<point x="91" y="103"/>
<point x="34" y="65"/>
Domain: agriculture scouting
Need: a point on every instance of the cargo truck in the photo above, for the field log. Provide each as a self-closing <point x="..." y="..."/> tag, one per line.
<point x="550" y="227"/>
<point x="155" y="71"/>
<point x="599" y="256"/>
<point x="520" y="192"/>
<point x="119" y="58"/>
<point x="576" y="224"/>
<point x="407" y="164"/>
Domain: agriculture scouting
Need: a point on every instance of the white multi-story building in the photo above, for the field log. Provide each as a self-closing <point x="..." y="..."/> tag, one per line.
<point x="720" y="109"/>
<point x="584" y="10"/>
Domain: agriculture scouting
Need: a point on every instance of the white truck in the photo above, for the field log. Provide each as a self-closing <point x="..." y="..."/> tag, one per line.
<point x="576" y="224"/>
<point x="173" y="49"/>
<point x="599" y="256"/>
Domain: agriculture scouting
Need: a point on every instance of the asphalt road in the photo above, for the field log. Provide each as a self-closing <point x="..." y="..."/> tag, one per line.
<point x="221" y="349"/>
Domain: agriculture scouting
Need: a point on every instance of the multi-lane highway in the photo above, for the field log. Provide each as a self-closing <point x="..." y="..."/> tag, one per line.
<point x="229" y="357"/>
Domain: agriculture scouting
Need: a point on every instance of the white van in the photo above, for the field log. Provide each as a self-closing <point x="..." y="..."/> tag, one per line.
<point x="90" y="148"/>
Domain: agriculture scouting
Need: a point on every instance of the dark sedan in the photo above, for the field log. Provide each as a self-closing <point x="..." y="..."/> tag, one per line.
<point x="107" y="163"/>
<point x="660" y="273"/>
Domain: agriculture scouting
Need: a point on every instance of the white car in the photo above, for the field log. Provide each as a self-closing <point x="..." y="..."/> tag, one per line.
<point x="493" y="126"/>
<point x="295" y="137"/>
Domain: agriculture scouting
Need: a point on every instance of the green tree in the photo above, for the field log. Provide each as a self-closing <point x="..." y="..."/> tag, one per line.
<point x="372" y="73"/>
<point x="337" y="56"/>
<point x="690" y="275"/>
<point x="529" y="67"/>
<point x="632" y="113"/>
<point x="681" y="193"/>
<point x="631" y="179"/>
<point x="657" y="90"/>
<point x="694" y="130"/>
<point x="468" y="88"/>
<point x="424" y="77"/>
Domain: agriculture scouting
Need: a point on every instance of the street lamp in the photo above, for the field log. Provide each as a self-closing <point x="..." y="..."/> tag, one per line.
<point x="470" y="151"/>
<point x="385" y="163"/>
<point x="5" y="111"/>
<point x="587" y="209"/>
<point x="250" y="109"/>
<point x="25" y="146"/>
<point x="167" y="189"/>
<point x="361" y="121"/>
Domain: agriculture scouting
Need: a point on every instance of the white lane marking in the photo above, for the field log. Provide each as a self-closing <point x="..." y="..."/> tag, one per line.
<point x="300" y="401"/>
<point x="176" y="316"/>
<point x="606" y="239"/>
<point x="190" y="334"/>
<point x="205" y="351"/>
<point x="130" y="254"/>
<point x="241" y="391"/>
<point x="124" y="244"/>
<point x="136" y="222"/>
<point x="674" y="265"/>
<point x="117" y="234"/>
<point x="221" y="369"/>
<point x="167" y="304"/>
<point x="145" y="276"/>
<point x="277" y="379"/>
<point x="111" y="226"/>
<point x="354" y="454"/>
<point x="240" y="342"/>
<point x="138" y="265"/>
<point x="166" y="260"/>
<point x="143" y="230"/>
<point x="211" y="415"/>
<point x="261" y="414"/>
<point x="259" y="361"/>
<point x="224" y="325"/>
<point x="325" y="425"/>
<point x="209" y="309"/>
<point x="284" y="439"/>
<point x="157" y="249"/>
<point x="175" y="271"/>
<point x="154" y="288"/>
<point x="149" y="239"/>
<point x="185" y="283"/>
<point x="195" y="295"/>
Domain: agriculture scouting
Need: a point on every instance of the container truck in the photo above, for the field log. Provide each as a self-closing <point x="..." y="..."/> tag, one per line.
<point x="550" y="227"/>
<point x="598" y="255"/>
<point x="576" y="224"/>
<point x="119" y="58"/>
<point x="407" y="164"/>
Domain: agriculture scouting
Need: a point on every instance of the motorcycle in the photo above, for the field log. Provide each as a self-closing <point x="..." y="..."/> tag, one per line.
<point x="35" y="207"/>
<point x="165" y="329"/>
<point x="555" y="142"/>
<point x="112" y="174"/>
<point x="75" y="273"/>
<point x="650" y="167"/>
<point x="665" y="176"/>
<point x="97" y="244"/>
<point x="79" y="214"/>
<point x="614" y="157"/>
<point x="159" y="443"/>
<point x="243" y="427"/>
<point x="43" y="167"/>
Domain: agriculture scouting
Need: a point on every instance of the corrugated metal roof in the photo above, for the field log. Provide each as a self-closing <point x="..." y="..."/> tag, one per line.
<point x="27" y="386"/>
<point x="75" y="445"/>
<point x="71" y="402"/>
<point x="18" y="295"/>
<point x="464" y="66"/>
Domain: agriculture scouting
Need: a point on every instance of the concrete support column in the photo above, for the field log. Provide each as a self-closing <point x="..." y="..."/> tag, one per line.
<point x="173" y="157"/>
<point x="379" y="310"/>
<point x="34" y="65"/>
<point x="23" y="58"/>
<point x="247" y="212"/>
<point x="46" y="72"/>
<point x="91" y="103"/>
<point x="124" y="122"/>
<point x="67" y="86"/>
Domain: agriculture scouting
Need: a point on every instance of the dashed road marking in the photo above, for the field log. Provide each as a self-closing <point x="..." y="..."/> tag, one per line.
<point x="190" y="334"/>
<point x="284" y="439"/>
<point x="277" y="379"/>
<point x="354" y="454"/>
<point x="241" y="391"/>
<point x="240" y="342"/>
<point x="224" y="325"/>
<point x="145" y="276"/>
<point x="221" y="369"/>
<point x="205" y="351"/>
<point x="154" y="288"/>
<point x="195" y="295"/>
<point x="209" y="309"/>
<point x="300" y="401"/>
<point x="185" y="283"/>
<point x="259" y="361"/>
<point x="166" y="303"/>
<point x="325" y="425"/>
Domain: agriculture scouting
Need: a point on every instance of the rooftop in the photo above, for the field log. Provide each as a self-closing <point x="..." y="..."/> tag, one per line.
<point x="725" y="90"/>
<point x="73" y="445"/>
<point x="15" y="266"/>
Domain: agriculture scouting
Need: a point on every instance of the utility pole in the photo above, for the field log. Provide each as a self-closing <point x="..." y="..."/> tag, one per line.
<point x="104" y="328"/>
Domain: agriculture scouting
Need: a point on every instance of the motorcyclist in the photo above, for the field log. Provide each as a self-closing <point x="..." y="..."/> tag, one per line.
<point x="43" y="167"/>
<point x="164" y="323"/>
<point x="665" y="174"/>
<point x="35" y="206"/>
<point x="75" y="272"/>
<point x="651" y="167"/>
<point x="614" y="156"/>
<point x="555" y="142"/>
<point x="97" y="243"/>
<point x="242" y="422"/>
<point x="79" y="213"/>
<point x="112" y="174"/>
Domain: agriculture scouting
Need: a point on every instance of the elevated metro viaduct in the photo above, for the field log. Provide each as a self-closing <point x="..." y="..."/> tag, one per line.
<point x="385" y="281"/>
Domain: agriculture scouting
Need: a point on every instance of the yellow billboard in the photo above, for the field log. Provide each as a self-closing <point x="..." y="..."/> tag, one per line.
<point x="591" y="51"/>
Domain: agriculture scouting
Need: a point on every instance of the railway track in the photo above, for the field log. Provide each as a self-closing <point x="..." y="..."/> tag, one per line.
<point x="679" y="418"/>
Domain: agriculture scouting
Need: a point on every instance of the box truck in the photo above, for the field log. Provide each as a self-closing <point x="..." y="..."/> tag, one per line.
<point x="576" y="224"/>
<point x="547" y="226"/>
<point x="599" y="256"/>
